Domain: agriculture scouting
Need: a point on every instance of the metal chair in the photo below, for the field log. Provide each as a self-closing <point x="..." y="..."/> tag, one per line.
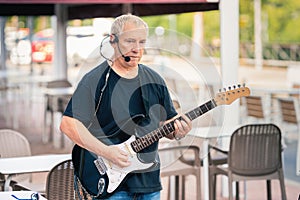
<point x="13" y="144"/>
<point x="60" y="182"/>
<point x="176" y="167"/>
<point x="254" y="154"/>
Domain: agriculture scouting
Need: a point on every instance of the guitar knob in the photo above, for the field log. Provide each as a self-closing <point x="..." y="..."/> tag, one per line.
<point x="101" y="186"/>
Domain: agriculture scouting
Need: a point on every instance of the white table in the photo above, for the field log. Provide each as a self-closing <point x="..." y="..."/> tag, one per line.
<point x="15" y="195"/>
<point x="208" y="133"/>
<point x="29" y="164"/>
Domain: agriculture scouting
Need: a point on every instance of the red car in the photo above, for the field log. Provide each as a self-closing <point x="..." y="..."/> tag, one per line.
<point x="42" y="46"/>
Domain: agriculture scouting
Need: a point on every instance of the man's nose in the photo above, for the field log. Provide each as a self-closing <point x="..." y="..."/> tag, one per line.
<point x="136" y="46"/>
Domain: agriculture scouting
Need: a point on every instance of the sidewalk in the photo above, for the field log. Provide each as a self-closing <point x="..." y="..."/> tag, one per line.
<point x="31" y="125"/>
<point x="255" y="190"/>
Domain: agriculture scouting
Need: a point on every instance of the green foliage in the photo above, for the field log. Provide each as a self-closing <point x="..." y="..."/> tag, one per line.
<point x="211" y="23"/>
<point x="283" y="20"/>
<point x="246" y="21"/>
<point x="185" y="23"/>
<point x="165" y="21"/>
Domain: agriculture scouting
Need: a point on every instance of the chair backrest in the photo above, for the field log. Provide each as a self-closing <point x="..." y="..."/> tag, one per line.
<point x="254" y="106"/>
<point x="255" y="149"/>
<point x="288" y="110"/>
<point x="13" y="144"/>
<point x="59" y="84"/>
<point x="187" y="154"/>
<point x="60" y="182"/>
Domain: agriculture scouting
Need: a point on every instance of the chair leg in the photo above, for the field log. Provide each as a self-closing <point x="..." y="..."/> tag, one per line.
<point x="169" y="188"/>
<point x="237" y="190"/>
<point x="198" y="181"/>
<point x="282" y="186"/>
<point x="182" y="187"/>
<point x="177" y="187"/>
<point x="212" y="186"/>
<point x="269" y="192"/>
<point x="230" y="188"/>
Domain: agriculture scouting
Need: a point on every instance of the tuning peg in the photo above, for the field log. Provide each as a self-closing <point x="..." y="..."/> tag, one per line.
<point x="234" y="86"/>
<point x="244" y="84"/>
<point x="239" y="85"/>
<point x="224" y="89"/>
<point x="220" y="90"/>
<point x="229" y="88"/>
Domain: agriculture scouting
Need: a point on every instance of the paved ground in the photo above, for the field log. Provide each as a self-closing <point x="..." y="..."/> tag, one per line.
<point x="31" y="125"/>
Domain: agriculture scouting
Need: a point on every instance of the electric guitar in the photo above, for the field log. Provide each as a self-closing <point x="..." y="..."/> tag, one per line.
<point x="100" y="178"/>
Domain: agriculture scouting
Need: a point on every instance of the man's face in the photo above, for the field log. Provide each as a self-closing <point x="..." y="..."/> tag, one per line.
<point x="132" y="43"/>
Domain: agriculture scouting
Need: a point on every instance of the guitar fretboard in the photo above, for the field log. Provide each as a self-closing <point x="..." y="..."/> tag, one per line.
<point x="150" y="138"/>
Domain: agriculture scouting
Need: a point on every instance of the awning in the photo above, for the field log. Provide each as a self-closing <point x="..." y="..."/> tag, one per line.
<point x="79" y="9"/>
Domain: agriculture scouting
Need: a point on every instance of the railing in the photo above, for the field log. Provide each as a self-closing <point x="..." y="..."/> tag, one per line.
<point x="273" y="51"/>
<point x="273" y="54"/>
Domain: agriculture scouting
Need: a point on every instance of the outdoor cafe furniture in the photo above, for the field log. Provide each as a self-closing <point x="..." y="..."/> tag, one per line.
<point x="255" y="153"/>
<point x="175" y="166"/>
<point x="270" y="96"/>
<point x="207" y="134"/>
<point x="21" y="195"/>
<point x="290" y="122"/>
<point x="29" y="164"/>
<point x="13" y="144"/>
<point x="255" y="107"/>
<point x="60" y="182"/>
<point x="56" y="95"/>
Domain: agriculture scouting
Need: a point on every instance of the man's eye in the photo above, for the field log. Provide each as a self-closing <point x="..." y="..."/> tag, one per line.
<point x="130" y="41"/>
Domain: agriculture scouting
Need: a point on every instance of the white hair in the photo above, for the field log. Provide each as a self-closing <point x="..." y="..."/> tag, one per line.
<point x="118" y="24"/>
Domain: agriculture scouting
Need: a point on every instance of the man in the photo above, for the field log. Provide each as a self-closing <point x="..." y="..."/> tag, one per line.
<point x="120" y="98"/>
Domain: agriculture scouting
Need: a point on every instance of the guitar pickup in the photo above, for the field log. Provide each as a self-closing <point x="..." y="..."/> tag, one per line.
<point x="100" y="165"/>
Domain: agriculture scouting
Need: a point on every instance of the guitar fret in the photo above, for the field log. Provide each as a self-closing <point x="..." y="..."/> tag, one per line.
<point x="155" y="136"/>
<point x="166" y="129"/>
<point x="170" y="127"/>
<point x="145" y="141"/>
<point x="203" y="108"/>
<point x="189" y="115"/>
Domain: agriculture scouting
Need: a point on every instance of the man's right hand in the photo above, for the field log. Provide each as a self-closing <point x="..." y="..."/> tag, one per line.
<point x="117" y="156"/>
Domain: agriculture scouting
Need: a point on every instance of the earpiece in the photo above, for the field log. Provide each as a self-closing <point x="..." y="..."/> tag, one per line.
<point x="115" y="39"/>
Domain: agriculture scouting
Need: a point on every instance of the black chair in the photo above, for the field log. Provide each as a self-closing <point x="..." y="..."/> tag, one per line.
<point x="255" y="153"/>
<point x="60" y="182"/>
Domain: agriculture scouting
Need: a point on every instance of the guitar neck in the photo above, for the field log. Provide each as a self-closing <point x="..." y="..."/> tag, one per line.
<point x="150" y="138"/>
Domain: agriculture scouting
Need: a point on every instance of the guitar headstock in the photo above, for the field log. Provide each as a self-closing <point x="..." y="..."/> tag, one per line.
<point x="230" y="95"/>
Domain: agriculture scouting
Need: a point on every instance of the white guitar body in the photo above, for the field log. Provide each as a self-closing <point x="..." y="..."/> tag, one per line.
<point x="116" y="174"/>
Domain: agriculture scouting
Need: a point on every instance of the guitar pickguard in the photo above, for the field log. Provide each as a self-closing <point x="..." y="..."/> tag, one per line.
<point x="116" y="174"/>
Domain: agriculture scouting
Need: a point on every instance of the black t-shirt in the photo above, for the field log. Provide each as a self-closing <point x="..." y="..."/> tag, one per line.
<point x="134" y="106"/>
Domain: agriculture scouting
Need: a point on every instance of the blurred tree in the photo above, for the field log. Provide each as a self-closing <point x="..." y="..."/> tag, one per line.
<point x="283" y="18"/>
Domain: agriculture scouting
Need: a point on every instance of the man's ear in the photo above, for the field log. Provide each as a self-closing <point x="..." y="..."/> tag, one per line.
<point x="113" y="39"/>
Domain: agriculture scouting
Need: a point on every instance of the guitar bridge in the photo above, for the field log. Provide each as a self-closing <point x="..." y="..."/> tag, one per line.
<point x="100" y="165"/>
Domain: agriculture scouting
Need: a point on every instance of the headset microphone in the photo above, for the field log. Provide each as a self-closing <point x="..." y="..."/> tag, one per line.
<point x="116" y="40"/>
<point x="126" y="58"/>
